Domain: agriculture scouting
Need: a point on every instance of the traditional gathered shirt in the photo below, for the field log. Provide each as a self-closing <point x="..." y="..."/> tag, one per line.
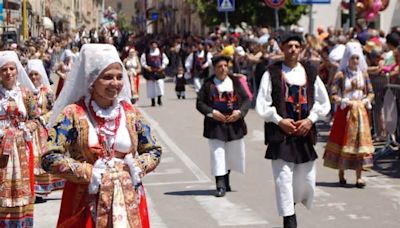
<point x="294" y="76"/>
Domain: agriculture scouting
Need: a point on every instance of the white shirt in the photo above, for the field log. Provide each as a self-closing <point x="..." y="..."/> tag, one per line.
<point x="189" y="60"/>
<point x="155" y="52"/>
<point x="295" y="76"/>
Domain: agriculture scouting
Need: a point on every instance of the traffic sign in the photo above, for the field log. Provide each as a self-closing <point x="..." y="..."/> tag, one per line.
<point x="305" y="2"/>
<point x="226" y="5"/>
<point x="275" y="3"/>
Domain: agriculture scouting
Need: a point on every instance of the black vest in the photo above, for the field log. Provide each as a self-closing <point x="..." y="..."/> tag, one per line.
<point x="273" y="133"/>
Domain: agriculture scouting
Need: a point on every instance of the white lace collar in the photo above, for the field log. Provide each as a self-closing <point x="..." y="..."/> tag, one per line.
<point x="109" y="113"/>
<point x="7" y="93"/>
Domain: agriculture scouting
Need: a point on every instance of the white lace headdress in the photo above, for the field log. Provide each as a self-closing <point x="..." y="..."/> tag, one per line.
<point x="22" y="78"/>
<point x="353" y="48"/>
<point x="37" y="65"/>
<point x="93" y="59"/>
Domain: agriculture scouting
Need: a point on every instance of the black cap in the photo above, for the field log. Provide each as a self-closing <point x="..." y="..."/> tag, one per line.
<point x="219" y="58"/>
<point x="393" y="39"/>
<point x="154" y="41"/>
<point x="291" y="36"/>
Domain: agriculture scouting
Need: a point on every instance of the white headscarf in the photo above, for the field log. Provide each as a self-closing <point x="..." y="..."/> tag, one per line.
<point x="93" y="59"/>
<point x="66" y="54"/>
<point x="353" y="48"/>
<point x="37" y="65"/>
<point x="22" y="78"/>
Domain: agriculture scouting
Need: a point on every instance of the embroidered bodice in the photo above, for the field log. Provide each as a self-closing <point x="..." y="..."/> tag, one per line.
<point x="120" y="140"/>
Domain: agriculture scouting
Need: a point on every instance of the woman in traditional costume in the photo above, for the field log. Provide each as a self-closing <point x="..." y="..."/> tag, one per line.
<point x="42" y="99"/>
<point x="132" y="64"/>
<point x="100" y="144"/>
<point x="64" y="68"/>
<point x="16" y="149"/>
<point x="350" y="143"/>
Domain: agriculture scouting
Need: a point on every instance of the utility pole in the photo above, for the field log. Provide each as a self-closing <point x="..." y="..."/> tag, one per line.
<point x="352" y="13"/>
<point x="25" y="20"/>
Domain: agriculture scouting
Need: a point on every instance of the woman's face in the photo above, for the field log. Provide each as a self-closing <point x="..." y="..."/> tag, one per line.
<point x="354" y="61"/>
<point x="35" y="78"/>
<point x="109" y="84"/>
<point x="8" y="74"/>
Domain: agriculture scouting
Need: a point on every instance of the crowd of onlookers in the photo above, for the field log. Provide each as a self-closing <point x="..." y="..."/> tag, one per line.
<point x="251" y="50"/>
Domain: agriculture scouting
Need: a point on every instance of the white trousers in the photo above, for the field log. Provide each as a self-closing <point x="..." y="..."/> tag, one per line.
<point x="227" y="156"/>
<point x="197" y="84"/>
<point x="294" y="183"/>
<point x="155" y="88"/>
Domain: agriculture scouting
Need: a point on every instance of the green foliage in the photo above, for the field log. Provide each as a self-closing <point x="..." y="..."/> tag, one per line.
<point x="124" y="22"/>
<point x="253" y="12"/>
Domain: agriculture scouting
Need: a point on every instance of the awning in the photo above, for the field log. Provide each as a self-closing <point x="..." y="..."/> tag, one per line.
<point x="47" y="23"/>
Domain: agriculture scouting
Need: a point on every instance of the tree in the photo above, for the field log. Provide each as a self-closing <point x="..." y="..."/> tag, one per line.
<point x="124" y="23"/>
<point x="253" y="12"/>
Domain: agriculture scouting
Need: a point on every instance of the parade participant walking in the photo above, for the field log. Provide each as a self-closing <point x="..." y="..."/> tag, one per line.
<point x="133" y="67"/>
<point x="290" y="100"/>
<point x="224" y="104"/>
<point x="197" y="64"/>
<point x="350" y="144"/>
<point x="154" y="62"/>
<point x="180" y="83"/>
<point x="42" y="99"/>
<point x="16" y="153"/>
<point x="64" y="69"/>
<point x="101" y="145"/>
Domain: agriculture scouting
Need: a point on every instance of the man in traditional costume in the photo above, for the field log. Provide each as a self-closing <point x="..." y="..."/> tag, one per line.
<point x="291" y="99"/>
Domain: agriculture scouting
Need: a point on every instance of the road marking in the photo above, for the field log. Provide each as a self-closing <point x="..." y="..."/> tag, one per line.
<point x="155" y="219"/>
<point x="168" y="160"/>
<point x="200" y="175"/>
<point x="356" y="217"/>
<point x="320" y="193"/>
<point x="227" y="213"/>
<point x="165" y="172"/>
<point x="175" y="183"/>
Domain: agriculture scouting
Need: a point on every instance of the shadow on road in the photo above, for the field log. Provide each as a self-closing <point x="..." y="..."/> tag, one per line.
<point x="388" y="164"/>
<point x="334" y="185"/>
<point x="206" y="192"/>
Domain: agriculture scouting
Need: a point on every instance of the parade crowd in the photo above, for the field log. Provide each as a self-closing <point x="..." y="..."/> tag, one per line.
<point x="67" y="108"/>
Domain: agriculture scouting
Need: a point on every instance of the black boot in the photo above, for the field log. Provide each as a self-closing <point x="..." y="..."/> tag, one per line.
<point x="159" y="102"/>
<point x="153" y="102"/>
<point x="227" y="183"/>
<point x="220" y="182"/>
<point x="290" y="221"/>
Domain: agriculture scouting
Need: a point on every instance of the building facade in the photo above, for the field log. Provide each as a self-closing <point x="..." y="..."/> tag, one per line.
<point x="74" y="14"/>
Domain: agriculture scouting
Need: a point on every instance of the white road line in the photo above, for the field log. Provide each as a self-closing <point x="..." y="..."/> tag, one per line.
<point x="200" y="175"/>
<point x="320" y="193"/>
<point x="165" y="172"/>
<point x="168" y="159"/>
<point x="226" y="213"/>
<point x="155" y="219"/>
<point x="174" y="183"/>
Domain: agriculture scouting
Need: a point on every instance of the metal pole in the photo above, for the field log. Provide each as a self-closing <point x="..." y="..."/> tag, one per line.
<point x="276" y="18"/>
<point x="352" y="13"/>
<point x="7" y="16"/>
<point x="311" y="24"/>
<point x="25" y="20"/>
<point x="226" y="21"/>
